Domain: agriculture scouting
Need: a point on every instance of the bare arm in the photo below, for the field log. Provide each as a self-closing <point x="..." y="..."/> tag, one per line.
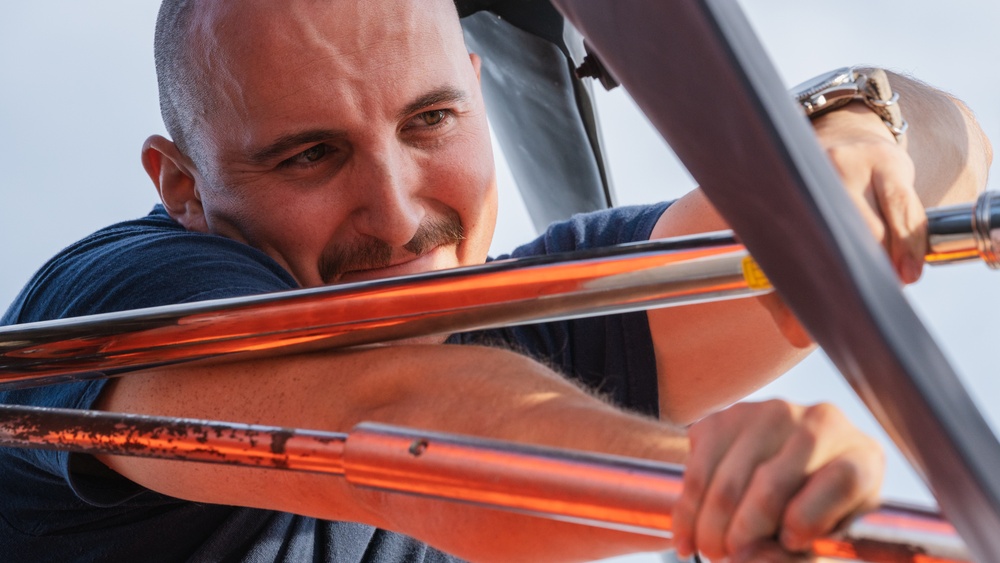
<point x="469" y="390"/>
<point x="711" y="355"/>
<point x="499" y="394"/>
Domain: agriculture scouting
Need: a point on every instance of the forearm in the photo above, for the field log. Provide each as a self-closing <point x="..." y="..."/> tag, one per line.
<point x="951" y="154"/>
<point x="710" y="355"/>
<point x="467" y="390"/>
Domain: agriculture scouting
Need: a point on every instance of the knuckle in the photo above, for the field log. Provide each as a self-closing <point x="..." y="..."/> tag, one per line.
<point x="824" y="416"/>
<point x="774" y="476"/>
<point x="725" y="496"/>
<point x="694" y="485"/>
<point x="803" y="528"/>
<point x="846" y="478"/>
<point x="734" y="412"/>
<point x="700" y="430"/>
<point x="840" y="153"/>
<point x="780" y="413"/>
<point x="808" y="437"/>
<point x="881" y="151"/>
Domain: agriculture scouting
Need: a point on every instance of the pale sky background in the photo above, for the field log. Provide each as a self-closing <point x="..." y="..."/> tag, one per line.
<point x="78" y="97"/>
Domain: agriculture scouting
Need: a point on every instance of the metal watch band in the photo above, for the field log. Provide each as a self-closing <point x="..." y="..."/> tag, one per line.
<point x="840" y="87"/>
<point x="878" y="95"/>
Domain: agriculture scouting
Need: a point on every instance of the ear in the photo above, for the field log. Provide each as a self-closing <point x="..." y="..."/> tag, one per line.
<point x="176" y="180"/>
<point x="477" y="64"/>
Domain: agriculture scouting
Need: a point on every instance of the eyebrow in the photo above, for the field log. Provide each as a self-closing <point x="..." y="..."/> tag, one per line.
<point x="286" y="143"/>
<point x="442" y="95"/>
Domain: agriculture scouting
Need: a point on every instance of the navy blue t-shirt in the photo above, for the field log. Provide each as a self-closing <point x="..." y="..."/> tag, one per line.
<point x="56" y="506"/>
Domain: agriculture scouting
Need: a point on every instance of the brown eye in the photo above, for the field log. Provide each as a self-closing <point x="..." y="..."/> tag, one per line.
<point x="432" y="117"/>
<point x="313" y="154"/>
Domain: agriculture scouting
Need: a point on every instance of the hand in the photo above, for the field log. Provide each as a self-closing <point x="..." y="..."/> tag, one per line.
<point x="759" y="471"/>
<point x="879" y="176"/>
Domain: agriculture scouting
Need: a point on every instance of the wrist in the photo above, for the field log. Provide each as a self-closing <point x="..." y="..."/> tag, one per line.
<point x="853" y="122"/>
<point x="847" y="87"/>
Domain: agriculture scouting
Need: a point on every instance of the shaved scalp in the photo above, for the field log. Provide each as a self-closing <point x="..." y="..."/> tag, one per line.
<point x="185" y="93"/>
<point x="178" y="91"/>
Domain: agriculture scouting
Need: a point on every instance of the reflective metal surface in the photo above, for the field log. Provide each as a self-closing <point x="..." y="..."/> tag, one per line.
<point x="966" y="232"/>
<point x="587" y="488"/>
<point x="626" y="278"/>
<point x="501" y="293"/>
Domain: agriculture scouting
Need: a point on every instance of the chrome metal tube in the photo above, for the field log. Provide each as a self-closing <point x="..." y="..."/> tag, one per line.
<point x="587" y="488"/>
<point x="600" y="490"/>
<point x="631" y="277"/>
<point x="960" y="233"/>
<point x="625" y="278"/>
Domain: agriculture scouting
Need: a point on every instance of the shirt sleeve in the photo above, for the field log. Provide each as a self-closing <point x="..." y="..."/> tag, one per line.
<point x="133" y="265"/>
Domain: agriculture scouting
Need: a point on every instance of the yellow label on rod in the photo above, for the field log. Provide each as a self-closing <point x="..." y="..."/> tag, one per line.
<point x="753" y="275"/>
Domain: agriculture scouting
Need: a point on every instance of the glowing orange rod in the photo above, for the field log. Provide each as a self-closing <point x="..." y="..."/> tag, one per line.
<point x="609" y="280"/>
<point x="600" y="490"/>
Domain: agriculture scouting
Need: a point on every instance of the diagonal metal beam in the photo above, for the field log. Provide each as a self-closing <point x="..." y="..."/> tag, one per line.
<point x="704" y="81"/>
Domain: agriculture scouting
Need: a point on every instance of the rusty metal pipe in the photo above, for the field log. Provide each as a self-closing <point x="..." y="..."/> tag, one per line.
<point x="181" y="439"/>
<point x="600" y="490"/>
<point x="630" y="277"/>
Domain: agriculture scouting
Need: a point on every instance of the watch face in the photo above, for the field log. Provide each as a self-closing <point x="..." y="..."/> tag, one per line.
<point x="813" y="85"/>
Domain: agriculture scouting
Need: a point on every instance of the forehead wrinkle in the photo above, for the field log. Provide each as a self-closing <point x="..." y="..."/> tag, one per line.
<point x="245" y="53"/>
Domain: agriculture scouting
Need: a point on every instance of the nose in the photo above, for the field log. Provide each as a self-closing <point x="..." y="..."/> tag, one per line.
<point x="388" y="207"/>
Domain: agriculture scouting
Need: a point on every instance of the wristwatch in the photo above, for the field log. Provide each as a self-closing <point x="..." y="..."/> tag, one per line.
<point x="839" y="87"/>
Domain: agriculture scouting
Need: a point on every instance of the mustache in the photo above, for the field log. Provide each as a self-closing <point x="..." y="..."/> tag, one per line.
<point x="371" y="252"/>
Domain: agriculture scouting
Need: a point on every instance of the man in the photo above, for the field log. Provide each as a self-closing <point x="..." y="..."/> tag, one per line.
<point x="346" y="140"/>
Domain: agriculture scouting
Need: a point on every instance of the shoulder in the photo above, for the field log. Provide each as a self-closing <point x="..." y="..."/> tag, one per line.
<point x="607" y="227"/>
<point x="141" y="263"/>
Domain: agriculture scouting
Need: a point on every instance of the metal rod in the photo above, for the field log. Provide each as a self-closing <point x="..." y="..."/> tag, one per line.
<point x="182" y="439"/>
<point x="582" y="487"/>
<point x="960" y="233"/>
<point x="630" y="277"/>
<point x="496" y="294"/>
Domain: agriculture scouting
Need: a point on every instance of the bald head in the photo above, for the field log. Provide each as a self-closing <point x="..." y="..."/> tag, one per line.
<point x="178" y="93"/>
<point x="185" y="29"/>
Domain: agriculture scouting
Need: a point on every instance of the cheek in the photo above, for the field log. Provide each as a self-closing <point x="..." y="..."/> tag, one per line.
<point x="468" y="180"/>
<point x="293" y="229"/>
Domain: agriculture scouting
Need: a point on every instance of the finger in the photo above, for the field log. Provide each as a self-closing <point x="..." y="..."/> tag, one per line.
<point x="773" y="485"/>
<point x="840" y="489"/>
<point x="822" y="435"/>
<point x="709" y="442"/>
<point x="904" y="216"/>
<point x="764" y="434"/>
<point x="817" y="438"/>
<point x="867" y="204"/>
